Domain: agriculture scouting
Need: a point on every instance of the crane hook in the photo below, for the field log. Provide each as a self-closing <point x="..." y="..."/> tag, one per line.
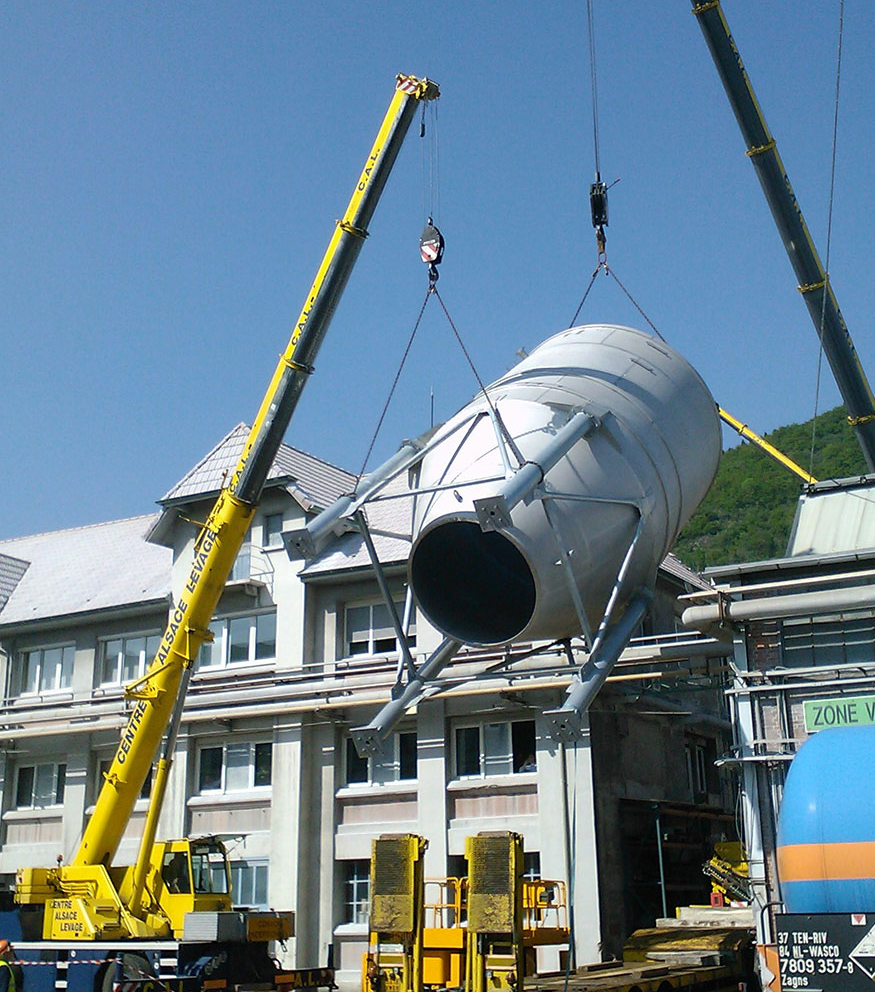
<point x="598" y="206"/>
<point x="431" y="249"/>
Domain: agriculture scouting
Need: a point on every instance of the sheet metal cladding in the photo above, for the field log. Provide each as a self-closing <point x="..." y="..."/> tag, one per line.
<point x="652" y="457"/>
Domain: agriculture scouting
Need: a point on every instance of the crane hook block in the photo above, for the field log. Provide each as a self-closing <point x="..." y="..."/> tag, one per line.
<point x="598" y="204"/>
<point x="431" y="248"/>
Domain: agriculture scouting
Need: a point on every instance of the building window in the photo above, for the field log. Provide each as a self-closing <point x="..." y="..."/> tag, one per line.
<point x="697" y="770"/>
<point x="103" y="768"/>
<point x="356" y="890"/>
<point x="240" y="641"/>
<point x="272" y="530"/>
<point x="396" y="763"/>
<point x="126" y="658"/>
<point x="235" y="767"/>
<point x="47" y="669"/>
<point x="495" y="749"/>
<point x="39" y="786"/>
<point x="369" y="629"/>
<point x="532" y="865"/>
<point x="241" y="569"/>
<point x="249" y="884"/>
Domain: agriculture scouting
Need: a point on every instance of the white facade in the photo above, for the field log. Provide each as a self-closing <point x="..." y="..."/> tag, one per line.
<point x="264" y="758"/>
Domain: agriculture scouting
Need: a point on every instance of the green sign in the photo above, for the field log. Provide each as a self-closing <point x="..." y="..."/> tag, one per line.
<point x="845" y="711"/>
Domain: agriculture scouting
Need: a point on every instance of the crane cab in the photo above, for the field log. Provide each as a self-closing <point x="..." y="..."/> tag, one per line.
<point x="190" y="876"/>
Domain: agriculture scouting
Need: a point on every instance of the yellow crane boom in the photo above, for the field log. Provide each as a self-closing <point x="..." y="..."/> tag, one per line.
<point x="764" y="445"/>
<point x="162" y="688"/>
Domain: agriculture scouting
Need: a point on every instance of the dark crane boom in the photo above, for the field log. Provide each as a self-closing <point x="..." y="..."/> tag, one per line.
<point x="813" y="283"/>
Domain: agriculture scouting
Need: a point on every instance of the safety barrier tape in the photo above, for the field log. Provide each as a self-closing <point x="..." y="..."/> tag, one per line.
<point x="60" y="964"/>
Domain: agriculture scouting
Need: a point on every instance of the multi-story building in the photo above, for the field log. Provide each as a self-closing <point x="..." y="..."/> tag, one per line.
<point x="803" y="632"/>
<point x="299" y="656"/>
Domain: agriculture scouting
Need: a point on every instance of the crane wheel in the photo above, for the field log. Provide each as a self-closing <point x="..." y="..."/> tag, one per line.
<point x="133" y="966"/>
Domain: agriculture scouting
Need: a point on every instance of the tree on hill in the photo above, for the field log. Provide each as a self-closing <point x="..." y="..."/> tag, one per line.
<point x="748" y="513"/>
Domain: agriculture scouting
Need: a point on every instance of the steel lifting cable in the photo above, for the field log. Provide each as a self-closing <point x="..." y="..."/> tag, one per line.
<point x="431" y="237"/>
<point x="634" y="302"/>
<point x="610" y="272"/>
<point x="361" y="471"/>
<point x="594" y="88"/>
<point x="508" y="438"/>
<point x="832" y="175"/>
<point x="586" y="293"/>
<point x="598" y="191"/>
<point x="430" y="164"/>
<point x="433" y="291"/>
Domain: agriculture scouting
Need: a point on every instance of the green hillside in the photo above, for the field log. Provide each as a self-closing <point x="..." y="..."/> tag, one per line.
<point x="748" y="512"/>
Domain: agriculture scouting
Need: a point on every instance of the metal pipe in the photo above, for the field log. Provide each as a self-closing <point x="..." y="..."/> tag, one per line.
<point x="808" y="580"/>
<point x="749" y="690"/>
<point x="661" y="863"/>
<point x="704" y="618"/>
<point x="307" y="704"/>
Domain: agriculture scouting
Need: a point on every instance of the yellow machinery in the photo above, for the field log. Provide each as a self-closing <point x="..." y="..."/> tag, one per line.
<point x="729" y="873"/>
<point x="90" y="899"/>
<point x="453" y="949"/>
<point x="495" y="957"/>
<point x="444" y="936"/>
<point x="394" y="959"/>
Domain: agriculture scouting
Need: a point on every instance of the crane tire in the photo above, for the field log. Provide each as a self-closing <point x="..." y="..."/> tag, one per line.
<point x="133" y="966"/>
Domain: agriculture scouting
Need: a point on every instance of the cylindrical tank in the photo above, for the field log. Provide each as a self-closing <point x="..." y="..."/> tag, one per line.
<point x="652" y="458"/>
<point x="826" y="827"/>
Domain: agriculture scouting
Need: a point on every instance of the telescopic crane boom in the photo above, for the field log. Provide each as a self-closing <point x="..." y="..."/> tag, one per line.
<point x="86" y="888"/>
<point x="813" y="282"/>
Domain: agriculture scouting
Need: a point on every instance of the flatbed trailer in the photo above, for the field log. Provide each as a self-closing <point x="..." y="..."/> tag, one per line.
<point x="638" y="976"/>
<point x="147" y="966"/>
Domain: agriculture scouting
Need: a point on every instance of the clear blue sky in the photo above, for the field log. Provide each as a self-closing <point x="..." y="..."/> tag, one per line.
<point x="171" y="173"/>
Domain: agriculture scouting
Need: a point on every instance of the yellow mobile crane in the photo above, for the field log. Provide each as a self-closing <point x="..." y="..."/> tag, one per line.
<point x="170" y="891"/>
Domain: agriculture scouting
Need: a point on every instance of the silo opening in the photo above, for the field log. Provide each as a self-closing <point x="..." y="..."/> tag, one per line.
<point x="476" y="587"/>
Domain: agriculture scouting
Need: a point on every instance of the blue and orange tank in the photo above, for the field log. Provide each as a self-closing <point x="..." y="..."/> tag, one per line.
<point x="826" y="827"/>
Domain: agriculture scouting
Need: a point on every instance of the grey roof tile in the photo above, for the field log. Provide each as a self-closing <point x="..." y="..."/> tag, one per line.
<point x="11" y="571"/>
<point x="389" y="521"/>
<point x="85" y="569"/>
<point x="674" y="566"/>
<point x="314" y="483"/>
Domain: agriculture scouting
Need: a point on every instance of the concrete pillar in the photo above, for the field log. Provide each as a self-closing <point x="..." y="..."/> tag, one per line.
<point x="286" y="811"/>
<point x="323" y="821"/>
<point x="583" y="880"/>
<point x="553" y="824"/>
<point x="173" y="821"/>
<point x="431" y="774"/>
<point x="75" y="796"/>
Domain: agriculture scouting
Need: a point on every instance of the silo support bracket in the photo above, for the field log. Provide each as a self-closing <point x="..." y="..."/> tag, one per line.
<point x="369" y="739"/>
<point x="567" y="722"/>
<point x="493" y="512"/>
<point x="398" y="627"/>
<point x="306" y="542"/>
<point x="568" y="572"/>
